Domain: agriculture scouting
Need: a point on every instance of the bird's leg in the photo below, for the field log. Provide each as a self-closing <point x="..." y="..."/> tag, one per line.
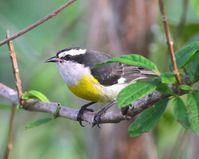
<point x="124" y="110"/>
<point x="97" y="117"/>
<point x="82" y="110"/>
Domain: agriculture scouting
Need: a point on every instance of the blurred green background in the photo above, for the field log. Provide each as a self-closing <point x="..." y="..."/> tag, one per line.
<point x="63" y="138"/>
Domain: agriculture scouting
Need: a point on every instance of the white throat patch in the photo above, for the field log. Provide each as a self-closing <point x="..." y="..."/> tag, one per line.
<point x="72" y="52"/>
<point x="72" y="72"/>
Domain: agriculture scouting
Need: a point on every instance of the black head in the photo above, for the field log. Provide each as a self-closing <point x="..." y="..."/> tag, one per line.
<point x="78" y="55"/>
<point x="68" y="54"/>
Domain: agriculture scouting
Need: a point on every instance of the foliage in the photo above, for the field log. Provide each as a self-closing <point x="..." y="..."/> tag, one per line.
<point x="135" y="60"/>
<point x="64" y="139"/>
<point x="135" y="91"/>
<point x="187" y="59"/>
<point x="185" y="112"/>
<point x="35" y="95"/>
<point x="180" y="111"/>
<point x="32" y="49"/>
<point x="148" y="118"/>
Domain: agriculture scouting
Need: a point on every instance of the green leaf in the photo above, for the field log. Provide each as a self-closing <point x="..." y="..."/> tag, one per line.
<point x="164" y="89"/>
<point x="168" y="78"/>
<point x="185" y="87"/>
<point x="37" y="123"/>
<point x="180" y="112"/>
<point x="188" y="58"/>
<point x="193" y="111"/>
<point x="193" y="67"/>
<point x="187" y="53"/>
<point x="148" y="119"/>
<point x="134" y="92"/>
<point x="135" y="60"/>
<point x="33" y="94"/>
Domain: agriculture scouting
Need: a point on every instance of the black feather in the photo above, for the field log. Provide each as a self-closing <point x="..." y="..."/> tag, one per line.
<point x="107" y="74"/>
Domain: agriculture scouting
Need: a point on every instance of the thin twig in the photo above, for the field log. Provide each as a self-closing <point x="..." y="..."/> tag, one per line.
<point x="34" y="25"/>
<point x="170" y="42"/>
<point x="71" y="113"/>
<point x="15" y="70"/>
<point x="9" y="145"/>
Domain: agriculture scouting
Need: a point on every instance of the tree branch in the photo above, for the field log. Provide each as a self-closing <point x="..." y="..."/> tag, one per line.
<point x="9" y="145"/>
<point x="169" y="41"/>
<point x="71" y="113"/>
<point x="15" y="69"/>
<point x="37" y="23"/>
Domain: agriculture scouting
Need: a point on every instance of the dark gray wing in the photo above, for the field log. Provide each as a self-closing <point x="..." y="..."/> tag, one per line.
<point x="109" y="74"/>
<point x="114" y="73"/>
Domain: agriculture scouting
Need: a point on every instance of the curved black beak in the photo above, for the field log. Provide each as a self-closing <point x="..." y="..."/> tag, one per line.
<point x="52" y="59"/>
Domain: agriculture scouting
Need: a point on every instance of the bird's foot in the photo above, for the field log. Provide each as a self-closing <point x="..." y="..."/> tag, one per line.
<point x="82" y="110"/>
<point x="97" y="117"/>
<point x="125" y="110"/>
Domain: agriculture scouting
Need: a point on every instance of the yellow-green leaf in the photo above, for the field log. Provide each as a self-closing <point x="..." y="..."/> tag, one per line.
<point x="33" y="94"/>
<point x="185" y="87"/>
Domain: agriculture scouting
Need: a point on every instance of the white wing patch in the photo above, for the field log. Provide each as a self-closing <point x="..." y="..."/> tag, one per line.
<point x="121" y="80"/>
<point x="72" y="52"/>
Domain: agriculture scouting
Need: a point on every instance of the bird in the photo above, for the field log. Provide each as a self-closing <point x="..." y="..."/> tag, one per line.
<point x="100" y="84"/>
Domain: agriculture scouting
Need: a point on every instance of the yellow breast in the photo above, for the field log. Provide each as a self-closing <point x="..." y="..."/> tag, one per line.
<point x="87" y="88"/>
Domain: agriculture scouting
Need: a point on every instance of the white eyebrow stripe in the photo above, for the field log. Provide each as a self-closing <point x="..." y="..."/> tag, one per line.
<point x="72" y="52"/>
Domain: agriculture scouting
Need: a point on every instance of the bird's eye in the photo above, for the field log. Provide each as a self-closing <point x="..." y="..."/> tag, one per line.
<point x="67" y="57"/>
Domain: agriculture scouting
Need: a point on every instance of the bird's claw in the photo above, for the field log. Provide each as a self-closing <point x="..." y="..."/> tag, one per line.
<point x="124" y="110"/>
<point x="81" y="112"/>
<point x="97" y="117"/>
<point x="96" y="120"/>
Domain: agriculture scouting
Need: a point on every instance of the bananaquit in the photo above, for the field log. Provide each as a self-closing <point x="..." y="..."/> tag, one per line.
<point x="95" y="84"/>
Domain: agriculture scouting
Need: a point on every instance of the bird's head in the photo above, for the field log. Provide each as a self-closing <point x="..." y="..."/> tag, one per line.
<point x="71" y="64"/>
<point x="75" y="55"/>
